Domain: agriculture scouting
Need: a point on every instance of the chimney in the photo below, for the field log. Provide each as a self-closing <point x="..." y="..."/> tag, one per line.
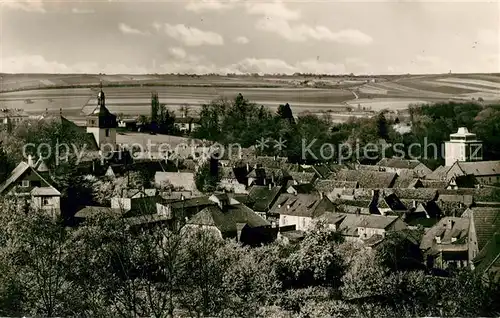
<point x="449" y="224"/>
<point x="270" y="186"/>
<point x="31" y="163"/>
<point x="288" y="207"/>
<point x="321" y="195"/>
<point x="414" y="203"/>
<point x="182" y="197"/>
<point x="248" y="168"/>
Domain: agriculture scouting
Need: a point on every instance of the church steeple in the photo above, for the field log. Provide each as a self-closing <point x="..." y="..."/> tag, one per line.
<point x="101" y="100"/>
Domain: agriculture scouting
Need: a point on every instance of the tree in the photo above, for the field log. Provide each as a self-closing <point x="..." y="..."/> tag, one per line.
<point x="285" y="112"/>
<point x="205" y="179"/>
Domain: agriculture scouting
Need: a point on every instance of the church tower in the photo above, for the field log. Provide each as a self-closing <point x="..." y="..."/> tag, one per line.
<point x="102" y="124"/>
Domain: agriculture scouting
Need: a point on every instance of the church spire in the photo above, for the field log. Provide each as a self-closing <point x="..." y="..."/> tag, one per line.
<point x="100" y="97"/>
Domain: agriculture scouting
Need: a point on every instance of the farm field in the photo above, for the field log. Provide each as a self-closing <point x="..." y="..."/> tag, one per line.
<point x="130" y="94"/>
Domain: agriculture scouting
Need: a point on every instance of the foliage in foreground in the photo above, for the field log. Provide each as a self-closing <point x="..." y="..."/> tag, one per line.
<point x="104" y="268"/>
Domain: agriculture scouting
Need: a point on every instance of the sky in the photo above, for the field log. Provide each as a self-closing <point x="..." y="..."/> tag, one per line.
<point x="249" y="36"/>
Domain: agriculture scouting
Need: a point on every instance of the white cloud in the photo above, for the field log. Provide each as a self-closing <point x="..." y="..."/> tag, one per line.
<point x="193" y="36"/>
<point x="274" y="66"/>
<point x="126" y="29"/>
<point x="157" y="26"/>
<point x="210" y="5"/>
<point x="242" y="40"/>
<point x="272" y="9"/>
<point x="178" y="52"/>
<point x="28" y="6"/>
<point x="38" y="64"/>
<point x="82" y="11"/>
<point x="303" y="32"/>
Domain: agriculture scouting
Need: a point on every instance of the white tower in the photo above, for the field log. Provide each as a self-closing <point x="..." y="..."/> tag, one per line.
<point x="463" y="146"/>
<point x="102" y="124"/>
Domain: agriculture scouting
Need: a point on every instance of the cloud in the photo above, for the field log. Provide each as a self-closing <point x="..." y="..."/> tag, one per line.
<point x="38" y="64"/>
<point x="82" y="11"/>
<point x="178" y="61"/>
<point x="303" y="32"/>
<point x="126" y="29"/>
<point x="210" y="5"/>
<point x="178" y="52"/>
<point x="28" y="6"/>
<point x="272" y="9"/>
<point x="193" y="36"/>
<point x="275" y="66"/>
<point x="242" y="40"/>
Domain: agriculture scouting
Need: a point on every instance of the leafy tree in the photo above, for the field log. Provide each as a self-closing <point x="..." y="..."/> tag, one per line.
<point x="205" y="179"/>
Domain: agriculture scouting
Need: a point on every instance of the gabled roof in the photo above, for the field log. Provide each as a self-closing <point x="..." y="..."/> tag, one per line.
<point x="367" y="179"/>
<point x="305" y="205"/>
<point x="394" y="202"/>
<point x="18" y="171"/>
<point x="489" y="256"/>
<point x="90" y="211"/>
<point x="376" y="221"/>
<point x="481" y="168"/>
<point x="398" y="163"/>
<point x="304" y="188"/>
<point x="302" y="177"/>
<point x="330" y="185"/>
<point x="439" y="174"/>
<point x="45" y="192"/>
<point x="486" y="222"/>
<point x="21" y="168"/>
<point x="459" y="230"/>
<point x="434" y="184"/>
<point x="228" y="221"/>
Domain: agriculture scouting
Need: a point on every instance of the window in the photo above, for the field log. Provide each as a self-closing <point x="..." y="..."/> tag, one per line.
<point x="107" y="132"/>
<point x="284" y="220"/>
<point x="45" y="201"/>
<point x="25" y="183"/>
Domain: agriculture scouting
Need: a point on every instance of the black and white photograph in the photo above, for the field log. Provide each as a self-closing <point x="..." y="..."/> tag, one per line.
<point x="249" y="158"/>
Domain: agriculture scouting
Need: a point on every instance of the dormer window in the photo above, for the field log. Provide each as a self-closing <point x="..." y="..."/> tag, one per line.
<point x="453" y="239"/>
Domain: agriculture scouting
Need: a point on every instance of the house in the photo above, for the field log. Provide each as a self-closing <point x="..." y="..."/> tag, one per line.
<point x="232" y="219"/>
<point x="398" y="165"/>
<point x="265" y="176"/>
<point x="359" y="227"/>
<point x="320" y="170"/>
<point x="10" y="117"/>
<point x="262" y="198"/>
<point x="128" y="123"/>
<point x="304" y="188"/>
<point x="179" y="180"/>
<point x="186" y="124"/>
<point x="426" y="214"/>
<point x="335" y="188"/>
<point x="289" y="236"/>
<point x="367" y="179"/>
<point x="386" y="204"/>
<point x="31" y="189"/>
<point x="459" y="182"/>
<point x="445" y="245"/>
<point x="302" y="177"/>
<point x="370" y="225"/>
<point x="485" y="172"/>
<point x="445" y="173"/>
<point x="484" y="232"/>
<point x="300" y="209"/>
